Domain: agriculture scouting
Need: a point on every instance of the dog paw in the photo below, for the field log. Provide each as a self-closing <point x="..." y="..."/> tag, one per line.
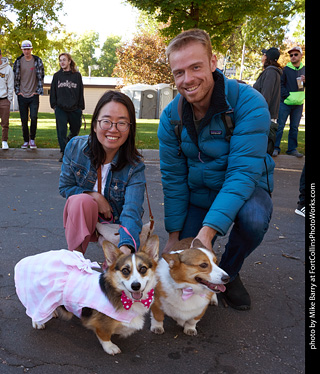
<point x="190" y="331"/>
<point x="157" y="330"/>
<point x="62" y="313"/>
<point x="55" y="314"/>
<point x="214" y="300"/>
<point x="38" y="326"/>
<point x="110" y="348"/>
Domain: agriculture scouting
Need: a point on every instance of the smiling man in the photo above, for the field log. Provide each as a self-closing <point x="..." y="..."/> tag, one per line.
<point x="211" y="182"/>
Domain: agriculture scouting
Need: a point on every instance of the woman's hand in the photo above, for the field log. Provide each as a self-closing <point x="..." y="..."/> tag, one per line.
<point x="103" y="205"/>
<point x="126" y="250"/>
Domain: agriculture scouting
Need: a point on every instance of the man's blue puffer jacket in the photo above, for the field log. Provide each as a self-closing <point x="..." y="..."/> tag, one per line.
<point x="211" y="172"/>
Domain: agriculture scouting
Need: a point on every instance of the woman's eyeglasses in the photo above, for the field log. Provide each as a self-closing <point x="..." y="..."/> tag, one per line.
<point x="106" y="124"/>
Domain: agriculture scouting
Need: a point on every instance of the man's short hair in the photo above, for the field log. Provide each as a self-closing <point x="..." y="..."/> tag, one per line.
<point x="189" y="36"/>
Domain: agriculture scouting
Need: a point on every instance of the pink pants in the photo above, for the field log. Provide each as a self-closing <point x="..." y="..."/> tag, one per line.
<point x="80" y="217"/>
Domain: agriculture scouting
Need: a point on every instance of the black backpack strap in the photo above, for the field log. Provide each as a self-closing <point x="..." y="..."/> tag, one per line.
<point x="227" y="117"/>
<point x="178" y="125"/>
<point x="228" y="124"/>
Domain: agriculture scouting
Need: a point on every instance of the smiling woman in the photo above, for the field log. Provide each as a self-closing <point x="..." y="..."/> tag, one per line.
<point x="102" y="175"/>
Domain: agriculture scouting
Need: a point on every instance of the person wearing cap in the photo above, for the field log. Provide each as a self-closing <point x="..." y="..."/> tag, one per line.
<point x="6" y="95"/>
<point x="268" y="84"/>
<point x="28" y="84"/>
<point x="292" y="100"/>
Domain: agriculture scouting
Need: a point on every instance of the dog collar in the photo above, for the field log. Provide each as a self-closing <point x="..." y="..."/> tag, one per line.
<point x="187" y="292"/>
<point x="127" y="303"/>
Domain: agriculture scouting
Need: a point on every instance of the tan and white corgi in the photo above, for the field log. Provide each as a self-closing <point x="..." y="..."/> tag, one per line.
<point x="188" y="279"/>
<point x="113" y="302"/>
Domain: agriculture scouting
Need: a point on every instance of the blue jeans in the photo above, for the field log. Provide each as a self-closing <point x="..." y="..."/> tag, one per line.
<point x="26" y="104"/>
<point x="295" y="113"/>
<point x="250" y="226"/>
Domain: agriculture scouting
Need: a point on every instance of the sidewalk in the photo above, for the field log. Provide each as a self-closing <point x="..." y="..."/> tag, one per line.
<point x="151" y="155"/>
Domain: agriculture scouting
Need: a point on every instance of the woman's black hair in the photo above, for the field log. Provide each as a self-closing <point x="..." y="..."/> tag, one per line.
<point x="128" y="153"/>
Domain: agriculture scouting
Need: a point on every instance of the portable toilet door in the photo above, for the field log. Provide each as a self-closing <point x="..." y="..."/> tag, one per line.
<point x="165" y="96"/>
<point x="148" y="104"/>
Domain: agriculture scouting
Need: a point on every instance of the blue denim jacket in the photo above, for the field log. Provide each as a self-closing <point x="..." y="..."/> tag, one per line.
<point x="124" y="189"/>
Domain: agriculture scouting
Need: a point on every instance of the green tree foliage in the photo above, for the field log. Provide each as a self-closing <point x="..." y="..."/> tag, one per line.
<point x="64" y="42"/>
<point x="220" y="18"/>
<point x="83" y="51"/>
<point x="143" y="60"/>
<point x="35" y="20"/>
<point x="108" y="58"/>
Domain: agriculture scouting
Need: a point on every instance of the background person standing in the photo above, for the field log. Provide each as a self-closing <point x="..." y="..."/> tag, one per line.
<point x="28" y="84"/>
<point x="292" y="99"/>
<point x="6" y="95"/>
<point x="268" y="84"/>
<point x="66" y="98"/>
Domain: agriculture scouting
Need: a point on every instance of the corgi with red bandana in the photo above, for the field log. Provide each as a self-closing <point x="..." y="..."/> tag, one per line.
<point x="188" y="279"/>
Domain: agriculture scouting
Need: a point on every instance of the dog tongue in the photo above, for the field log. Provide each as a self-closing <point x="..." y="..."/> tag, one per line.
<point x="216" y="287"/>
<point x="221" y="287"/>
<point x="136" y="295"/>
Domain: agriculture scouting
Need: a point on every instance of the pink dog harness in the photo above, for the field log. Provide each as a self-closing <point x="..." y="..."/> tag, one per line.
<point x="48" y="280"/>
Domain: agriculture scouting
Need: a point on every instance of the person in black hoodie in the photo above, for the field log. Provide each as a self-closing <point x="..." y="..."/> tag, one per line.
<point x="269" y="85"/>
<point x="66" y="98"/>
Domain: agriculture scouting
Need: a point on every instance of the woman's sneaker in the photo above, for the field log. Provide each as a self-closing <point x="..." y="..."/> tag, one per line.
<point x="25" y="145"/>
<point x="32" y="144"/>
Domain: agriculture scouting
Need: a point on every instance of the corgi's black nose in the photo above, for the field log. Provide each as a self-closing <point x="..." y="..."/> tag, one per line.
<point x="136" y="286"/>
<point x="225" y="278"/>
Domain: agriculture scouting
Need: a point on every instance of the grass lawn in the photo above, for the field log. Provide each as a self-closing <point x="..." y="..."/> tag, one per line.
<point x="146" y="137"/>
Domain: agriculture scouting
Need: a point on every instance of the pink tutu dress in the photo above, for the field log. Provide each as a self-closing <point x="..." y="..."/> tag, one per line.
<point x="61" y="277"/>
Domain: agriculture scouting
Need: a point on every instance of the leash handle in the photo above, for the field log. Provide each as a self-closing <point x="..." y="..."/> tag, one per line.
<point x="99" y="179"/>
<point x="149" y="205"/>
<point x="124" y="228"/>
<point x="150" y="212"/>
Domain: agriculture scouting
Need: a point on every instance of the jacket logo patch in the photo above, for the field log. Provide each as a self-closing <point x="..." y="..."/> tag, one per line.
<point x="215" y="132"/>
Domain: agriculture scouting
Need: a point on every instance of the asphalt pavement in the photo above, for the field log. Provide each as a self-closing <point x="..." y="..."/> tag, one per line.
<point x="268" y="339"/>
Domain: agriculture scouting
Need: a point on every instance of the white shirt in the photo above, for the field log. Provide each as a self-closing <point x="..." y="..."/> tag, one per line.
<point x="104" y="173"/>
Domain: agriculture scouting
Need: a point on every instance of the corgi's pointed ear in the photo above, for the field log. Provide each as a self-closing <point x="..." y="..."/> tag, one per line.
<point x="196" y="243"/>
<point x="111" y="252"/>
<point x="151" y="247"/>
<point x="172" y="259"/>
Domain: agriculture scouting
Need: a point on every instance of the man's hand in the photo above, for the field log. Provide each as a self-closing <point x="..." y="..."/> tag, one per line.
<point x="205" y="235"/>
<point x="173" y="239"/>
